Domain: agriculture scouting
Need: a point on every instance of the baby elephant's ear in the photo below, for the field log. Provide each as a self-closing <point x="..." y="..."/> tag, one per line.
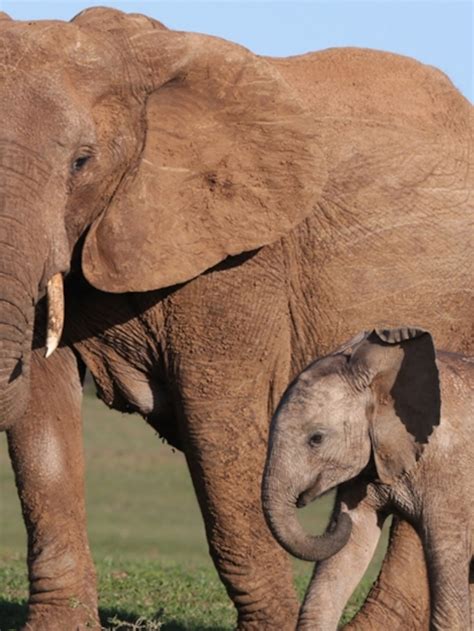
<point x="395" y="336"/>
<point x="399" y="365"/>
<point x="349" y="347"/>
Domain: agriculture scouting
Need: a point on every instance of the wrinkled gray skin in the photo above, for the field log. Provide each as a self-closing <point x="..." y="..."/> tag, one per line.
<point x="394" y="427"/>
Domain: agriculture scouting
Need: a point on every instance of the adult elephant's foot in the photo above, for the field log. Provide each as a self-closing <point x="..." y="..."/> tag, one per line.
<point x="282" y="616"/>
<point x="75" y="616"/>
<point x="65" y="603"/>
<point x="268" y="607"/>
<point x="399" y="600"/>
<point x="63" y="595"/>
<point x="269" y="623"/>
<point x="265" y="599"/>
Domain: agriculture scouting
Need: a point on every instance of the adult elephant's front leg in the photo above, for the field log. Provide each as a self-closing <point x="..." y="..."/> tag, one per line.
<point x="225" y="424"/>
<point x="46" y="453"/>
<point x="227" y="341"/>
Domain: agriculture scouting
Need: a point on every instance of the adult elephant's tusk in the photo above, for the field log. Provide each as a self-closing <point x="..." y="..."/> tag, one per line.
<point x="55" y="294"/>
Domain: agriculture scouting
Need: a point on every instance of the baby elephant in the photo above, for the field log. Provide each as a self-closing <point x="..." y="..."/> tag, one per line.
<point x="392" y="424"/>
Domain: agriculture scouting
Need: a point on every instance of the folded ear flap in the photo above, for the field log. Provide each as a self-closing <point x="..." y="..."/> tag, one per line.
<point x="230" y="163"/>
<point x="399" y="366"/>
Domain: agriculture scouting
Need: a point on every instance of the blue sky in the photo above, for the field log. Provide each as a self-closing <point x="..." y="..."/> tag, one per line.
<point x="438" y="32"/>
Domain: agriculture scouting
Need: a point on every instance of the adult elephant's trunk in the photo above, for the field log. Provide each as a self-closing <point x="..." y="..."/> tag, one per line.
<point x="279" y="506"/>
<point x="16" y="326"/>
<point x="17" y="301"/>
<point x="26" y="266"/>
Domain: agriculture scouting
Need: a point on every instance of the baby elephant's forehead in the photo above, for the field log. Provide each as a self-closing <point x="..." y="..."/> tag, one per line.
<point x="315" y="390"/>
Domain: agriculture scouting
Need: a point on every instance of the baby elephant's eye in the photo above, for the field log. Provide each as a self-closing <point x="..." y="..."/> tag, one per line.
<point x="79" y="163"/>
<point x="315" y="439"/>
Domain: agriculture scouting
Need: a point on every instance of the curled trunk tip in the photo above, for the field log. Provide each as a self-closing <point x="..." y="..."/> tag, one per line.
<point x="324" y="546"/>
<point x="280" y="514"/>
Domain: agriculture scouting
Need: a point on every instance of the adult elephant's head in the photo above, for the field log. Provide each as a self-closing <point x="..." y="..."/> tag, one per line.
<point x="153" y="154"/>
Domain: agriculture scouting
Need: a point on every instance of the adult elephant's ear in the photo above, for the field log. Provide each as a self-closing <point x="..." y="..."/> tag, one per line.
<point x="230" y="163"/>
<point x="399" y="366"/>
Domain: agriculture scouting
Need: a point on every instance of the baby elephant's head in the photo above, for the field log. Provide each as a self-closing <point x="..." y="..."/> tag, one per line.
<point x="377" y="395"/>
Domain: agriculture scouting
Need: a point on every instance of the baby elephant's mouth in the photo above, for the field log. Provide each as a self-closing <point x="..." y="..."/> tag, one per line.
<point x="309" y="495"/>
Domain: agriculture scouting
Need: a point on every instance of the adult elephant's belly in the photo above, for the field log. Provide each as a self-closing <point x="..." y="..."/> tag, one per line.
<point x="111" y="333"/>
<point x="129" y="390"/>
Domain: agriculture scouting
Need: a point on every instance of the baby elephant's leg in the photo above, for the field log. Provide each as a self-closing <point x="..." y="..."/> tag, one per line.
<point x="447" y="554"/>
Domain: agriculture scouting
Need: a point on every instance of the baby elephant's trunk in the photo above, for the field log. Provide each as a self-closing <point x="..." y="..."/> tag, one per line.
<point x="279" y="507"/>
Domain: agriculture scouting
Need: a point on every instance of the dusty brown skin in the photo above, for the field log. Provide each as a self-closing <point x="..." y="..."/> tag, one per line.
<point x="394" y="427"/>
<point x="294" y="201"/>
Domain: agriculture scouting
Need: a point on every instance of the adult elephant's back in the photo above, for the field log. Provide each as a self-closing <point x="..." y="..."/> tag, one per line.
<point x="390" y="240"/>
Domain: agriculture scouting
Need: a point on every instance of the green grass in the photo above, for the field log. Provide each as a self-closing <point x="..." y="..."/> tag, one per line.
<point x="146" y="534"/>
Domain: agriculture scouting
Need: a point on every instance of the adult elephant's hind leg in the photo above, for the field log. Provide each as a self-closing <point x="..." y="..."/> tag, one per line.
<point x="399" y="599"/>
<point x="225" y="425"/>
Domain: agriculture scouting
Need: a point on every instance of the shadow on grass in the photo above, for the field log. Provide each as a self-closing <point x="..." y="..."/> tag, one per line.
<point x="106" y="615"/>
<point x="176" y="625"/>
<point x="13" y="616"/>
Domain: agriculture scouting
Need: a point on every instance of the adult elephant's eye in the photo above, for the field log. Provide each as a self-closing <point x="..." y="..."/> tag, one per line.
<point x="79" y="163"/>
<point x="315" y="439"/>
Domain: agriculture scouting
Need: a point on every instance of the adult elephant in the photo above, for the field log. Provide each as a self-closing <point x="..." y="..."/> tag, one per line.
<point x="220" y="219"/>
